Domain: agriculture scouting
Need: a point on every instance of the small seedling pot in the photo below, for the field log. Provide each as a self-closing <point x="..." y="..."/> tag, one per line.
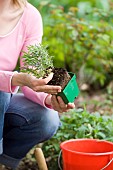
<point x="71" y="91"/>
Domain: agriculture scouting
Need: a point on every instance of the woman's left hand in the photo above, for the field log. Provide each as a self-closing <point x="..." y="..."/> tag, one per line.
<point x="57" y="104"/>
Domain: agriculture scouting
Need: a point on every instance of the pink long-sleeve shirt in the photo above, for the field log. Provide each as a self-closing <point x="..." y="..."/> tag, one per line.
<point x="28" y="31"/>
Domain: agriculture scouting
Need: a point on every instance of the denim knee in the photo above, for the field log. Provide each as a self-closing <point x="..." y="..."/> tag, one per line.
<point x="50" y="124"/>
<point x="37" y="130"/>
<point x="29" y="134"/>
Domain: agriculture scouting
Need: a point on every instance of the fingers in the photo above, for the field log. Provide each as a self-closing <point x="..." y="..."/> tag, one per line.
<point x="59" y="105"/>
<point x="55" y="104"/>
<point x="71" y="106"/>
<point x="46" y="80"/>
<point x="63" y="106"/>
<point x="48" y="89"/>
<point x="39" y="85"/>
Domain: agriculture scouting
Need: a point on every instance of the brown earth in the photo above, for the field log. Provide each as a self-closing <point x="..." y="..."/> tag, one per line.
<point x="60" y="77"/>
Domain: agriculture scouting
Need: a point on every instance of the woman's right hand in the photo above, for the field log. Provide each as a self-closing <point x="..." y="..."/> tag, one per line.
<point x="38" y="85"/>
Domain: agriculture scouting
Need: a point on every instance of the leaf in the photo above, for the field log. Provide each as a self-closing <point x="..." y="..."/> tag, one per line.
<point x="44" y="3"/>
<point x="103" y="4"/>
<point x="101" y="135"/>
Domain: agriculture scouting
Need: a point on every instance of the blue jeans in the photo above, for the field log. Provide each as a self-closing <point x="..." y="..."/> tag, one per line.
<point x="25" y="125"/>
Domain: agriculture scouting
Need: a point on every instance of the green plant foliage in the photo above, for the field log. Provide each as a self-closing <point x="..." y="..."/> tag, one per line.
<point x="81" y="43"/>
<point x="78" y="124"/>
<point x="67" y="3"/>
<point x="80" y="36"/>
<point x="37" y="61"/>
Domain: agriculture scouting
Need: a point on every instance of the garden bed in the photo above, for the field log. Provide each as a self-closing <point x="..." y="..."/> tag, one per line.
<point x="99" y="101"/>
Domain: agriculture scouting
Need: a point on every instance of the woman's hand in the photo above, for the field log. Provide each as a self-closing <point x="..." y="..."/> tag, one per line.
<point x="57" y="103"/>
<point x="38" y="85"/>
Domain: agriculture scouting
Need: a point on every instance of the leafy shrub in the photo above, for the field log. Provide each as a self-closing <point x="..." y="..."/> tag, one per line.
<point x="83" y="4"/>
<point x="80" y="36"/>
<point x="78" y="124"/>
<point x="82" y="45"/>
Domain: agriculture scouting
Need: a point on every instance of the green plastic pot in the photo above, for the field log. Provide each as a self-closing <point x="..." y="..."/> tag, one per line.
<point x="71" y="91"/>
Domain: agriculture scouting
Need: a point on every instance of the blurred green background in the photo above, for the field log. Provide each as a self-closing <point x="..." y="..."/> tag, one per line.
<point x="80" y="36"/>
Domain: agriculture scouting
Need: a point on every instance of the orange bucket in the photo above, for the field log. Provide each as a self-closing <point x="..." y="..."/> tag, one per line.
<point x="87" y="154"/>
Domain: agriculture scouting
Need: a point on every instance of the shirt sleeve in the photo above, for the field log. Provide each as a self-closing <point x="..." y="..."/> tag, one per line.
<point x="34" y="34"/>
<point x="5" y="82"/>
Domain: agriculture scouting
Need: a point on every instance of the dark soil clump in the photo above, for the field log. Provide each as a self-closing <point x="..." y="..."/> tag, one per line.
<point x="60" y="77"/>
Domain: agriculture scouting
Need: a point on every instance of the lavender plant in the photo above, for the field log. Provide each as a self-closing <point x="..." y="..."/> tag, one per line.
<point x="37" y="61"/>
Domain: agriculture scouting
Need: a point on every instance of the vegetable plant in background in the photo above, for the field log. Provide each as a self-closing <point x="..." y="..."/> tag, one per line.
<point x="39" y="63"/>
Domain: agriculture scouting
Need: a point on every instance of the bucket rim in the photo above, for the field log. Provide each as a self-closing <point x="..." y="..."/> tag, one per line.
<point x="83" y="153"/>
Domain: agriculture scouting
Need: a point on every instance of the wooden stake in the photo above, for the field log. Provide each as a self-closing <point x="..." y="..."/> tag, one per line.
<point x="40" y="159"/>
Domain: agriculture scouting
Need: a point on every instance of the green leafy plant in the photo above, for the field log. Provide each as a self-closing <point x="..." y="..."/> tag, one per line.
<point x="78" y="124"/>
<point x="80" y="36"/>
<point x="84" y="43"/>
<point x="37" y="61"/>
